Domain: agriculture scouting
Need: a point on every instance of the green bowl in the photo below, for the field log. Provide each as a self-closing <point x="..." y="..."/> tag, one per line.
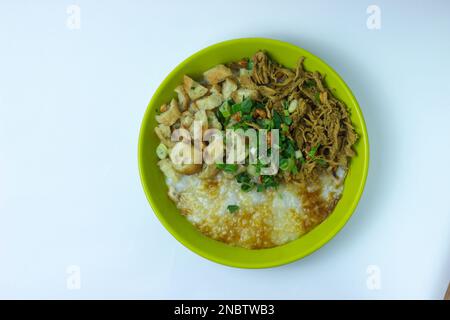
<point x="156" y="190"/>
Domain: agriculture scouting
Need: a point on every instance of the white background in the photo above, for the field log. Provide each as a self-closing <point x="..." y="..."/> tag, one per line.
<point x="71" y="103"/>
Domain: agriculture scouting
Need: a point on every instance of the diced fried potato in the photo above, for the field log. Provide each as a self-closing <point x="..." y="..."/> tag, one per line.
<point x="194" y="89"/>
<point x="176" y="125"/>
<point x="199" y="126"/>
<point x="183" y="98"/>
<point x="193" y="108"/>
<point x="247" y="82"/>
<point x="217" y="74"/>
<point x="202" y="117"/>
<point x="243" y="93"/>
<point x="180" y="163"/>
<point x="228" y="87"/>
<point x="171" y="115"/>
<point x="186" y="119"/>
<point x="216" y="89"/>
<point x="167" y="169"/>
<point x="164" y="135"/>
<point x="188" y="169"/>
<point x="213" y="122"/>
<point x="163" y="108"/>
<point x="210" y="102"/>
<point x="213" y="153"/>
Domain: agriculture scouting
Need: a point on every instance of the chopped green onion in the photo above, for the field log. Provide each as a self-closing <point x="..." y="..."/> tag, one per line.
<point x="242" y="177"/>
<point x="233" y="208"/>
<point x="239" y="125"/>
<point x="284" y="164"/>
<point x="259" y="105"/>
<point x="253" y="170"/>
<point x="289" y="150"/>
<point x="230" y="168"/>
<point x="313" y="151"/>
<point x="298" y="154"/>
<point x="276" y="120"/>
<point x="246" y="105"/>
<point x="310" y="83"/>
<point x="265" y="123"/>
<point x="293" y="106"/>
<point x="246" y="187"/>
<point x="288" y="165"/>
<point x="162" y="151"/>
<point x="320" y="161"/>
<point x="317" y="97"/>
<point x="224" y="110"/>
<point x="250" y="64"/>
<point x="312" y="154"/>
<point x="269" y="181"/>
<point x="247" y="117"/>
<point x="236" y="108"/>
<point x="258" y="167"/>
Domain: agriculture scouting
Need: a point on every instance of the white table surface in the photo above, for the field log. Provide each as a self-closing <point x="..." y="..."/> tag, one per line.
<point x="71" y="103"/>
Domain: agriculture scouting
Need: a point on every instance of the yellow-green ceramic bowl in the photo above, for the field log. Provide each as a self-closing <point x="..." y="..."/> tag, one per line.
<point x="156" y="190"/>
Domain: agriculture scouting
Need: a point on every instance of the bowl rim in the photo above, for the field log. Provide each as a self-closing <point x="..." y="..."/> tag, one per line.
<point x="275" y="262"/>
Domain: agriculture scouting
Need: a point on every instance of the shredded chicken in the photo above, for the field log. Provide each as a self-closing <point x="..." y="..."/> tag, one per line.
<point x="320" y="120"/>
